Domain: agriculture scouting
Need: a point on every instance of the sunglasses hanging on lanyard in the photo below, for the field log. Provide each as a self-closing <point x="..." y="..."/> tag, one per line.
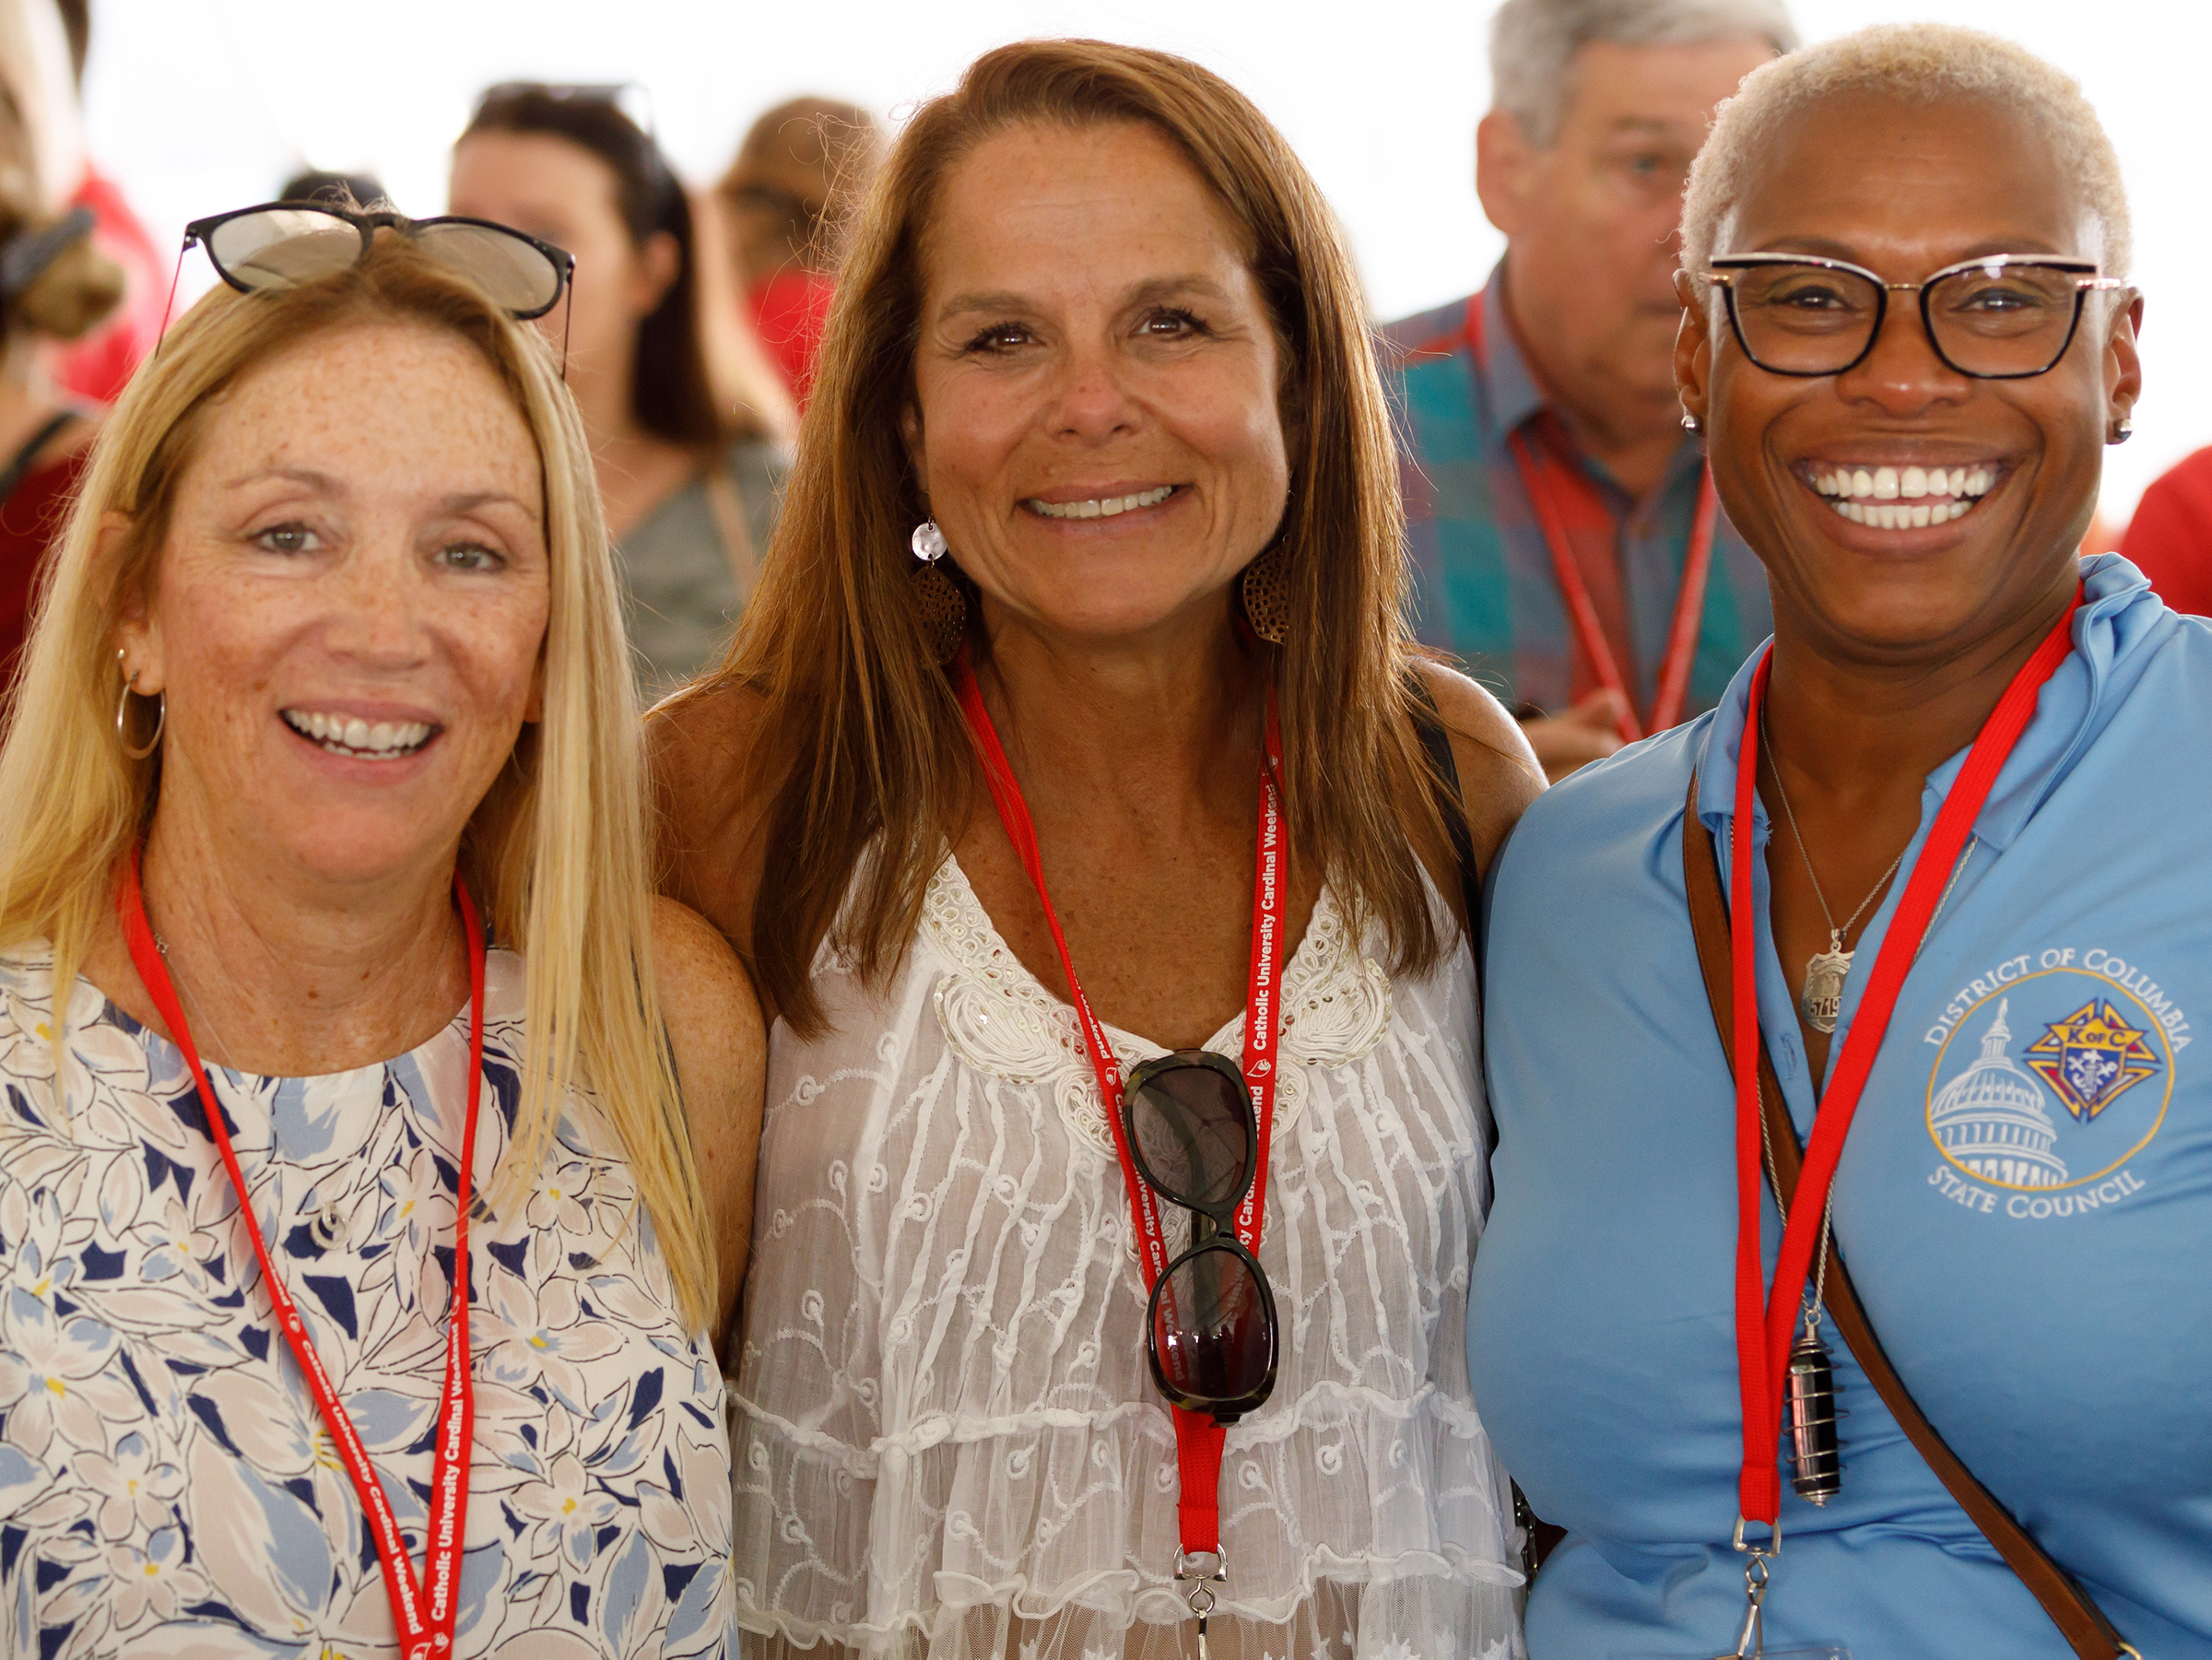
<point x="1192" y="1127"/>
<point x="1539" y="474"/>
<point x="1767" y="1319"/>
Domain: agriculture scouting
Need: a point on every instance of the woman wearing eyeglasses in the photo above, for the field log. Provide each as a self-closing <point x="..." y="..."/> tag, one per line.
<point x="685" y="413"/>
<point x="1079" y="800"/>
<point x="1907" y="942"/>
<point x="366" y="1264"/>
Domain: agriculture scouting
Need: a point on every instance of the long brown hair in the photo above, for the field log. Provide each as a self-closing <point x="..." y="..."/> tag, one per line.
<point x="859" y="736"/>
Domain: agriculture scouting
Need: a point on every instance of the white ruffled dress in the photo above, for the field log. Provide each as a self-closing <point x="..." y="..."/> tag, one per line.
<point x="946" y="1440"/>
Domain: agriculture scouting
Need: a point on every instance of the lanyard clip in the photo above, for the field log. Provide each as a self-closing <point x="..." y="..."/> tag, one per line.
<point x="1760" y="1550"/>
<point x="1752" y="1643"/>
<point x="1194" y="1565"/>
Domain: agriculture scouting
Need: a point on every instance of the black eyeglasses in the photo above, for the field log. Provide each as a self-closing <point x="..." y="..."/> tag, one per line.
<point x="285" y="244"/>
<point x="1210" y="1333"/>
<point x="2003" y="317"/>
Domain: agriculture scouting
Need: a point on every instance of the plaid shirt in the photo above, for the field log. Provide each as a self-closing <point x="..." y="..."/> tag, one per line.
<point x="1483" y="587"/>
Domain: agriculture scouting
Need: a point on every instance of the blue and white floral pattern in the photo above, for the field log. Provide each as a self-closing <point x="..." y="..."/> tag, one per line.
<point x="167" y="1486"/>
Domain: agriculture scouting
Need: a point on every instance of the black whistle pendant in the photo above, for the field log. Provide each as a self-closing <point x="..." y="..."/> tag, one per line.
<point x="1809" y="1418"/>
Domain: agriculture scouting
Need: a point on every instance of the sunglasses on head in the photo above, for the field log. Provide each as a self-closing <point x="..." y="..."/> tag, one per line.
<point x="288" y="244"/>
<point x="1210" y="1333"/>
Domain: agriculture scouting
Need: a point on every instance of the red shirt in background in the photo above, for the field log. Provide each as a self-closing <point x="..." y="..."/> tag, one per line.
<point x="98" y="366"/>
<point x="2169" y="540"/>
<point x="29" y="520"/>
<point x="791" y="310"/>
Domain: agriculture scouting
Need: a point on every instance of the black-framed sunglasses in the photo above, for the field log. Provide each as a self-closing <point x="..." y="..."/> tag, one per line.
<point x="1210" y="1332"/>
<point x="285" y="244"/>
<point x="2002" y="317"/>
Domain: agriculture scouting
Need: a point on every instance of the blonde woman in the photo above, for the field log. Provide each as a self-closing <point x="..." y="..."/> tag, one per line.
<point x="328" y="687"/>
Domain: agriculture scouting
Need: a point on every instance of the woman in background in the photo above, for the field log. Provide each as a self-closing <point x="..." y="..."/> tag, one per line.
<point x="686" y="442"/>
<point x="801" y="167"/>
<point x="54" y="287"/>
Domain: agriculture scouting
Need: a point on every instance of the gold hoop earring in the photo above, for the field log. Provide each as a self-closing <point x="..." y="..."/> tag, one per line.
<point x="1266" y="592"/>
<point x="123" y="715"/>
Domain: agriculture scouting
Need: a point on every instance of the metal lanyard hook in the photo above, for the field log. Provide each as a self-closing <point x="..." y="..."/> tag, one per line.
<point x="1752" y="1643"/>
<point x="1191" y="1565"/>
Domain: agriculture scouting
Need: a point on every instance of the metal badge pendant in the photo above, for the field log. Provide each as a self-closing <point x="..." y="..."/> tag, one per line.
<point x="1808" y="1419"/>
<point x="1822" y="999"/>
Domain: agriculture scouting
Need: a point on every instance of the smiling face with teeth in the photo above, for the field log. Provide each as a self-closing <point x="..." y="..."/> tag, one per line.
<point x="1096" y="421"/>
<point x="346" y="615"/>
<point x="1903" y="509"/>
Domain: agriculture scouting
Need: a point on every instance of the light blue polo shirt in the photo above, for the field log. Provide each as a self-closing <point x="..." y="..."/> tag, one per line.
<point x="2025" y="1201"/>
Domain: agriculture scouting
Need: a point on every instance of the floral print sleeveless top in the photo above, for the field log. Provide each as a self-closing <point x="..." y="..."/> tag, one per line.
<point x="167" y="1486"/>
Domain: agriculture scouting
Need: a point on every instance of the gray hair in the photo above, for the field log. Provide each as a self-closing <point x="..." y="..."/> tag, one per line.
<point x="1916" y="64"/>
<point x="1533" y="44"/>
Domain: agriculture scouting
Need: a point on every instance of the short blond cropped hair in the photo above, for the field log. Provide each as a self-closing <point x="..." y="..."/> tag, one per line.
<point x="1918" y="63"/>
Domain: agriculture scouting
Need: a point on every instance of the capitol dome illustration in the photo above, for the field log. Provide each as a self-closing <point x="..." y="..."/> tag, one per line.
<point x="1990" y="1119"/>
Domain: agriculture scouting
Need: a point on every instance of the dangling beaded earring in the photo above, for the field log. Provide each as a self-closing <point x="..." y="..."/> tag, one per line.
<point x="938" y="598"/>
<point x="1266" y="591"/>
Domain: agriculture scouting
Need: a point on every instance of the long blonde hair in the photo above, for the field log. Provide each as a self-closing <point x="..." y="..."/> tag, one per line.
<point x="859" y="736"/>
<point x="555" y="854"/>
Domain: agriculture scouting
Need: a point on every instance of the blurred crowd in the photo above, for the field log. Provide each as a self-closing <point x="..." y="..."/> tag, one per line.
<point x="1564" y="545"/>
<point x="689" y="345"/>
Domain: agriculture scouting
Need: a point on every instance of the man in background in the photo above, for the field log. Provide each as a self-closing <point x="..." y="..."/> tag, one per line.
<point x="1564" y="537"/>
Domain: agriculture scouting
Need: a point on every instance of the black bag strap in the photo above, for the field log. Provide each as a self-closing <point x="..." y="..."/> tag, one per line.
<point x="1437" y="743"/>
<point x="18" y="465"/>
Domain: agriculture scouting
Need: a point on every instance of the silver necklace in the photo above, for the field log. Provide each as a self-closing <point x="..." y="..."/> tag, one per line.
<point x="1822" y="997"/>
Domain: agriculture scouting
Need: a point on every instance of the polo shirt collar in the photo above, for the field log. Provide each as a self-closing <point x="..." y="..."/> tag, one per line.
<point x="2119" y="625"/>
<point x="1515" y="397"/>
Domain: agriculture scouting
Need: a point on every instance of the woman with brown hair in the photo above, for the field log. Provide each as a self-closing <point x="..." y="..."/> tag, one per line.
<point x="684" y="412"/>
<point x="785" y="199"/>
<point x="1142" y="733"/>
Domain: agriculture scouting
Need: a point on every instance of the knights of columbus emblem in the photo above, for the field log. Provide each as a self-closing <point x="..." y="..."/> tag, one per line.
<point x="2091" y="1059"/>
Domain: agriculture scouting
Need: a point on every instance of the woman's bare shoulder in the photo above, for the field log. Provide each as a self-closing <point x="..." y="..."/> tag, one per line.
<point x="699" y="745"/>
<point x="720" y="1046"/>
<point x="1499" y="775"/>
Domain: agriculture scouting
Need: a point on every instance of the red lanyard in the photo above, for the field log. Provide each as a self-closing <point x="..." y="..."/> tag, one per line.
<point x="1762" y="1338"/>
<point x="1198" y="1437"/>
<point x="1689" y="598"/>
<point x="424" y="1611"/>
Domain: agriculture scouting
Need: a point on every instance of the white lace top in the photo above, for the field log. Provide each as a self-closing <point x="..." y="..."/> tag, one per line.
<point x="946" y="1442"/>
<point x="168" y="1489"/>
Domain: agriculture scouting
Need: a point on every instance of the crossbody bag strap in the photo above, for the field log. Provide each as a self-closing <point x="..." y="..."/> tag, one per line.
<point x="1436" y="743"/>
<point x="2078" y="1619"/>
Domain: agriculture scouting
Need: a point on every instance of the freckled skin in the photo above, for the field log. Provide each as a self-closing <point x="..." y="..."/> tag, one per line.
<point x="413" y="576"/>
<point x="1121" y="341"/>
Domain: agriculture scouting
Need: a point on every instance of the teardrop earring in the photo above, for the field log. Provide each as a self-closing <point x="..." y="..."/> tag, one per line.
<point x="1266" y="594"/>
<point x="942" y="606"/>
